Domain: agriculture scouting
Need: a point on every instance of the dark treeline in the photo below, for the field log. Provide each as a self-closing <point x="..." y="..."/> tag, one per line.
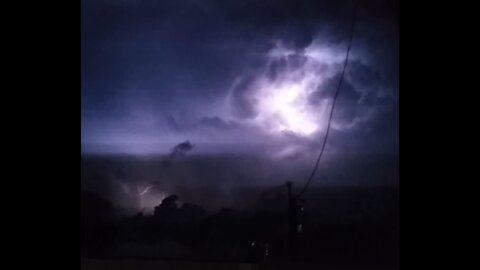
<point x="359" y="235"/>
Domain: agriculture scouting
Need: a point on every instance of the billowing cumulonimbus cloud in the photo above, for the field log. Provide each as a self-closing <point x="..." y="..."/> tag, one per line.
<point x="210" y="70"/>
<point x="298" y="81"/>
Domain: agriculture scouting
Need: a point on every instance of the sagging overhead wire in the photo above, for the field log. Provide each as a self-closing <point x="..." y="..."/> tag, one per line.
<point x="307" y="184"/>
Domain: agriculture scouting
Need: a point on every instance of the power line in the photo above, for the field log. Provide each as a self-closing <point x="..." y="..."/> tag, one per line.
<point x="333" y="104"/>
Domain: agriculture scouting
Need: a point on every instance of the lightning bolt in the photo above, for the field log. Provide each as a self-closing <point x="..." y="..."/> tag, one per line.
<point x="145" y="190"/>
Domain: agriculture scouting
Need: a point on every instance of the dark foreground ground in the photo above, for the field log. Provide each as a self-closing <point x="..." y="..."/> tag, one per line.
<point x="351" y="227"/>
<point x="361" y="231"/>
<point x="186" y="265"/>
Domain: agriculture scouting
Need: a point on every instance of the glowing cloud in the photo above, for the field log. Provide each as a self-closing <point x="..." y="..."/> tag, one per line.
<point x="282" y="101"/>
<point x="285" y="108"/>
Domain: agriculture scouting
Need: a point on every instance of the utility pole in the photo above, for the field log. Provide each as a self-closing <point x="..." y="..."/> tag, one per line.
<point x="292" y="224"/>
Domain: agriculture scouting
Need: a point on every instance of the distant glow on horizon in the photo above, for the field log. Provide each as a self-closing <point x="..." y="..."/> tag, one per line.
<point x="140" y="197"/>
<point x="150" y="201"/>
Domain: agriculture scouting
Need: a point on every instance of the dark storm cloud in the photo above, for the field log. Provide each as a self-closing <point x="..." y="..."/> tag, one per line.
<point x="172" y="123"/>
<point x="193" y="176"/>
<point x="157" y="73"/>
<point x="215" y="123"/>
<point x="278" y="66"/>
<point x="328" y="88"/>
<point x="242" y="104"/>
<point x="218" y="123"/>
<point x="158" y="67"/>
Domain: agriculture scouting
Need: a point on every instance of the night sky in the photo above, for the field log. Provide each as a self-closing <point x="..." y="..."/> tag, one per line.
<point x="240" y="77"/>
